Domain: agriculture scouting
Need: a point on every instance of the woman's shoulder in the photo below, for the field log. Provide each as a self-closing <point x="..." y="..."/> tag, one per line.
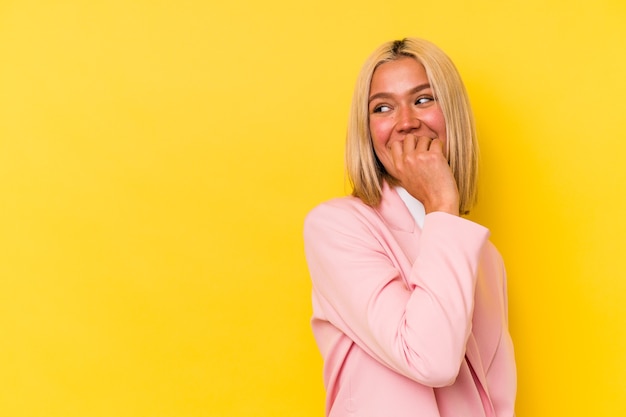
<point x="347" y="206"/>
<point x="342" y="213"/>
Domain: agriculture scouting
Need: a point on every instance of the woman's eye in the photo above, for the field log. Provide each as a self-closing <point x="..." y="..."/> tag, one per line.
<point x="382" y="108"/>
<point x="424" y="100"/>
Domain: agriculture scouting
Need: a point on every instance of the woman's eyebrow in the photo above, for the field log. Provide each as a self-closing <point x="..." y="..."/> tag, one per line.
<point x="413" y="90"/>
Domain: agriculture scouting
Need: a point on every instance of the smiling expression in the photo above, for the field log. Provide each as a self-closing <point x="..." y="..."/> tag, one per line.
<point x="402" y="103"/>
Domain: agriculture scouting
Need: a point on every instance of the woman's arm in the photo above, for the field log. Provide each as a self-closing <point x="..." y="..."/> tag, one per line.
<point x="420" y="330"/>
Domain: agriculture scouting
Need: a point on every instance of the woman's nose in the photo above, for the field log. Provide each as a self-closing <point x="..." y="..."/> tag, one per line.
<point x="408" y="120"/>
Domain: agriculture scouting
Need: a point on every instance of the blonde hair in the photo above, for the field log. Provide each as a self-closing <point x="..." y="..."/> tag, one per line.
<point x="365" y="171"/>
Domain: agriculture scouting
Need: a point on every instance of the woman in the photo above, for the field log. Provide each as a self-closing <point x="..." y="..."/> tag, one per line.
<point x="409" y="298"/>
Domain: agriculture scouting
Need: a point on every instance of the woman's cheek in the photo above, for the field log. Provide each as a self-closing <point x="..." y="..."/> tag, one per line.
<point x="380" y="133"/>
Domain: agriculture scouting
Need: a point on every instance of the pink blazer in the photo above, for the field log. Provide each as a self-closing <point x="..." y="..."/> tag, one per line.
<point x="410" y="322"/>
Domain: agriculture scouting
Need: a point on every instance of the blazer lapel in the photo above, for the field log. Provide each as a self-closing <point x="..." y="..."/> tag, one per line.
<point x="394" y="212"/>
<point x="472" y="353"/>
<point x="486" y="328"/>
<point x="401" y="224"/>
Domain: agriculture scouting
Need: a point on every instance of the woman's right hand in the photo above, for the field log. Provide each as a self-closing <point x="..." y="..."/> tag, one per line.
<point x="421" y="167"/>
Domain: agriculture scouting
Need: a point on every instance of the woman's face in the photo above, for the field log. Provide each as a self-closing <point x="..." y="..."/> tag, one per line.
<point x="402" y="103"/>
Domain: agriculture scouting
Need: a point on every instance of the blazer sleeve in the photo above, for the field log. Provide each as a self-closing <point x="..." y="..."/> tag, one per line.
<point x="421" y="329"/>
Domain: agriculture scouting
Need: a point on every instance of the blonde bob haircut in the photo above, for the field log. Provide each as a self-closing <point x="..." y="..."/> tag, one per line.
<point x="365" y="172"/>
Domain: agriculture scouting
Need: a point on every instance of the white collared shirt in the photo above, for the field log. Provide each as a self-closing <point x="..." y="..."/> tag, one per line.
<point x="416" y="208"/>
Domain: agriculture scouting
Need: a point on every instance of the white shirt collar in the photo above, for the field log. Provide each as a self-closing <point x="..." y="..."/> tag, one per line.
<point x="416" y="208"/>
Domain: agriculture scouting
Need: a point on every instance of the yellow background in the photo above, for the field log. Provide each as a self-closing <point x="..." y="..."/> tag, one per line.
<point x="157" y="159"/>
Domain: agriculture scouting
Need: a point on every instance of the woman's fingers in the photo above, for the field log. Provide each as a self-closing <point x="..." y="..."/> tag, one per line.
<point x="397" y="150"/>
<point x="419" y="164"/>
<point x="407" y="151"/>
<point x="409" y="144"/>
<point x="436" y="145"/>
<point x="423" y="144"/>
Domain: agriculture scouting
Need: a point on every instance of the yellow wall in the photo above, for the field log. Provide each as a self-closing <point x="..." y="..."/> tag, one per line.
<point x="157" y="160"/>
